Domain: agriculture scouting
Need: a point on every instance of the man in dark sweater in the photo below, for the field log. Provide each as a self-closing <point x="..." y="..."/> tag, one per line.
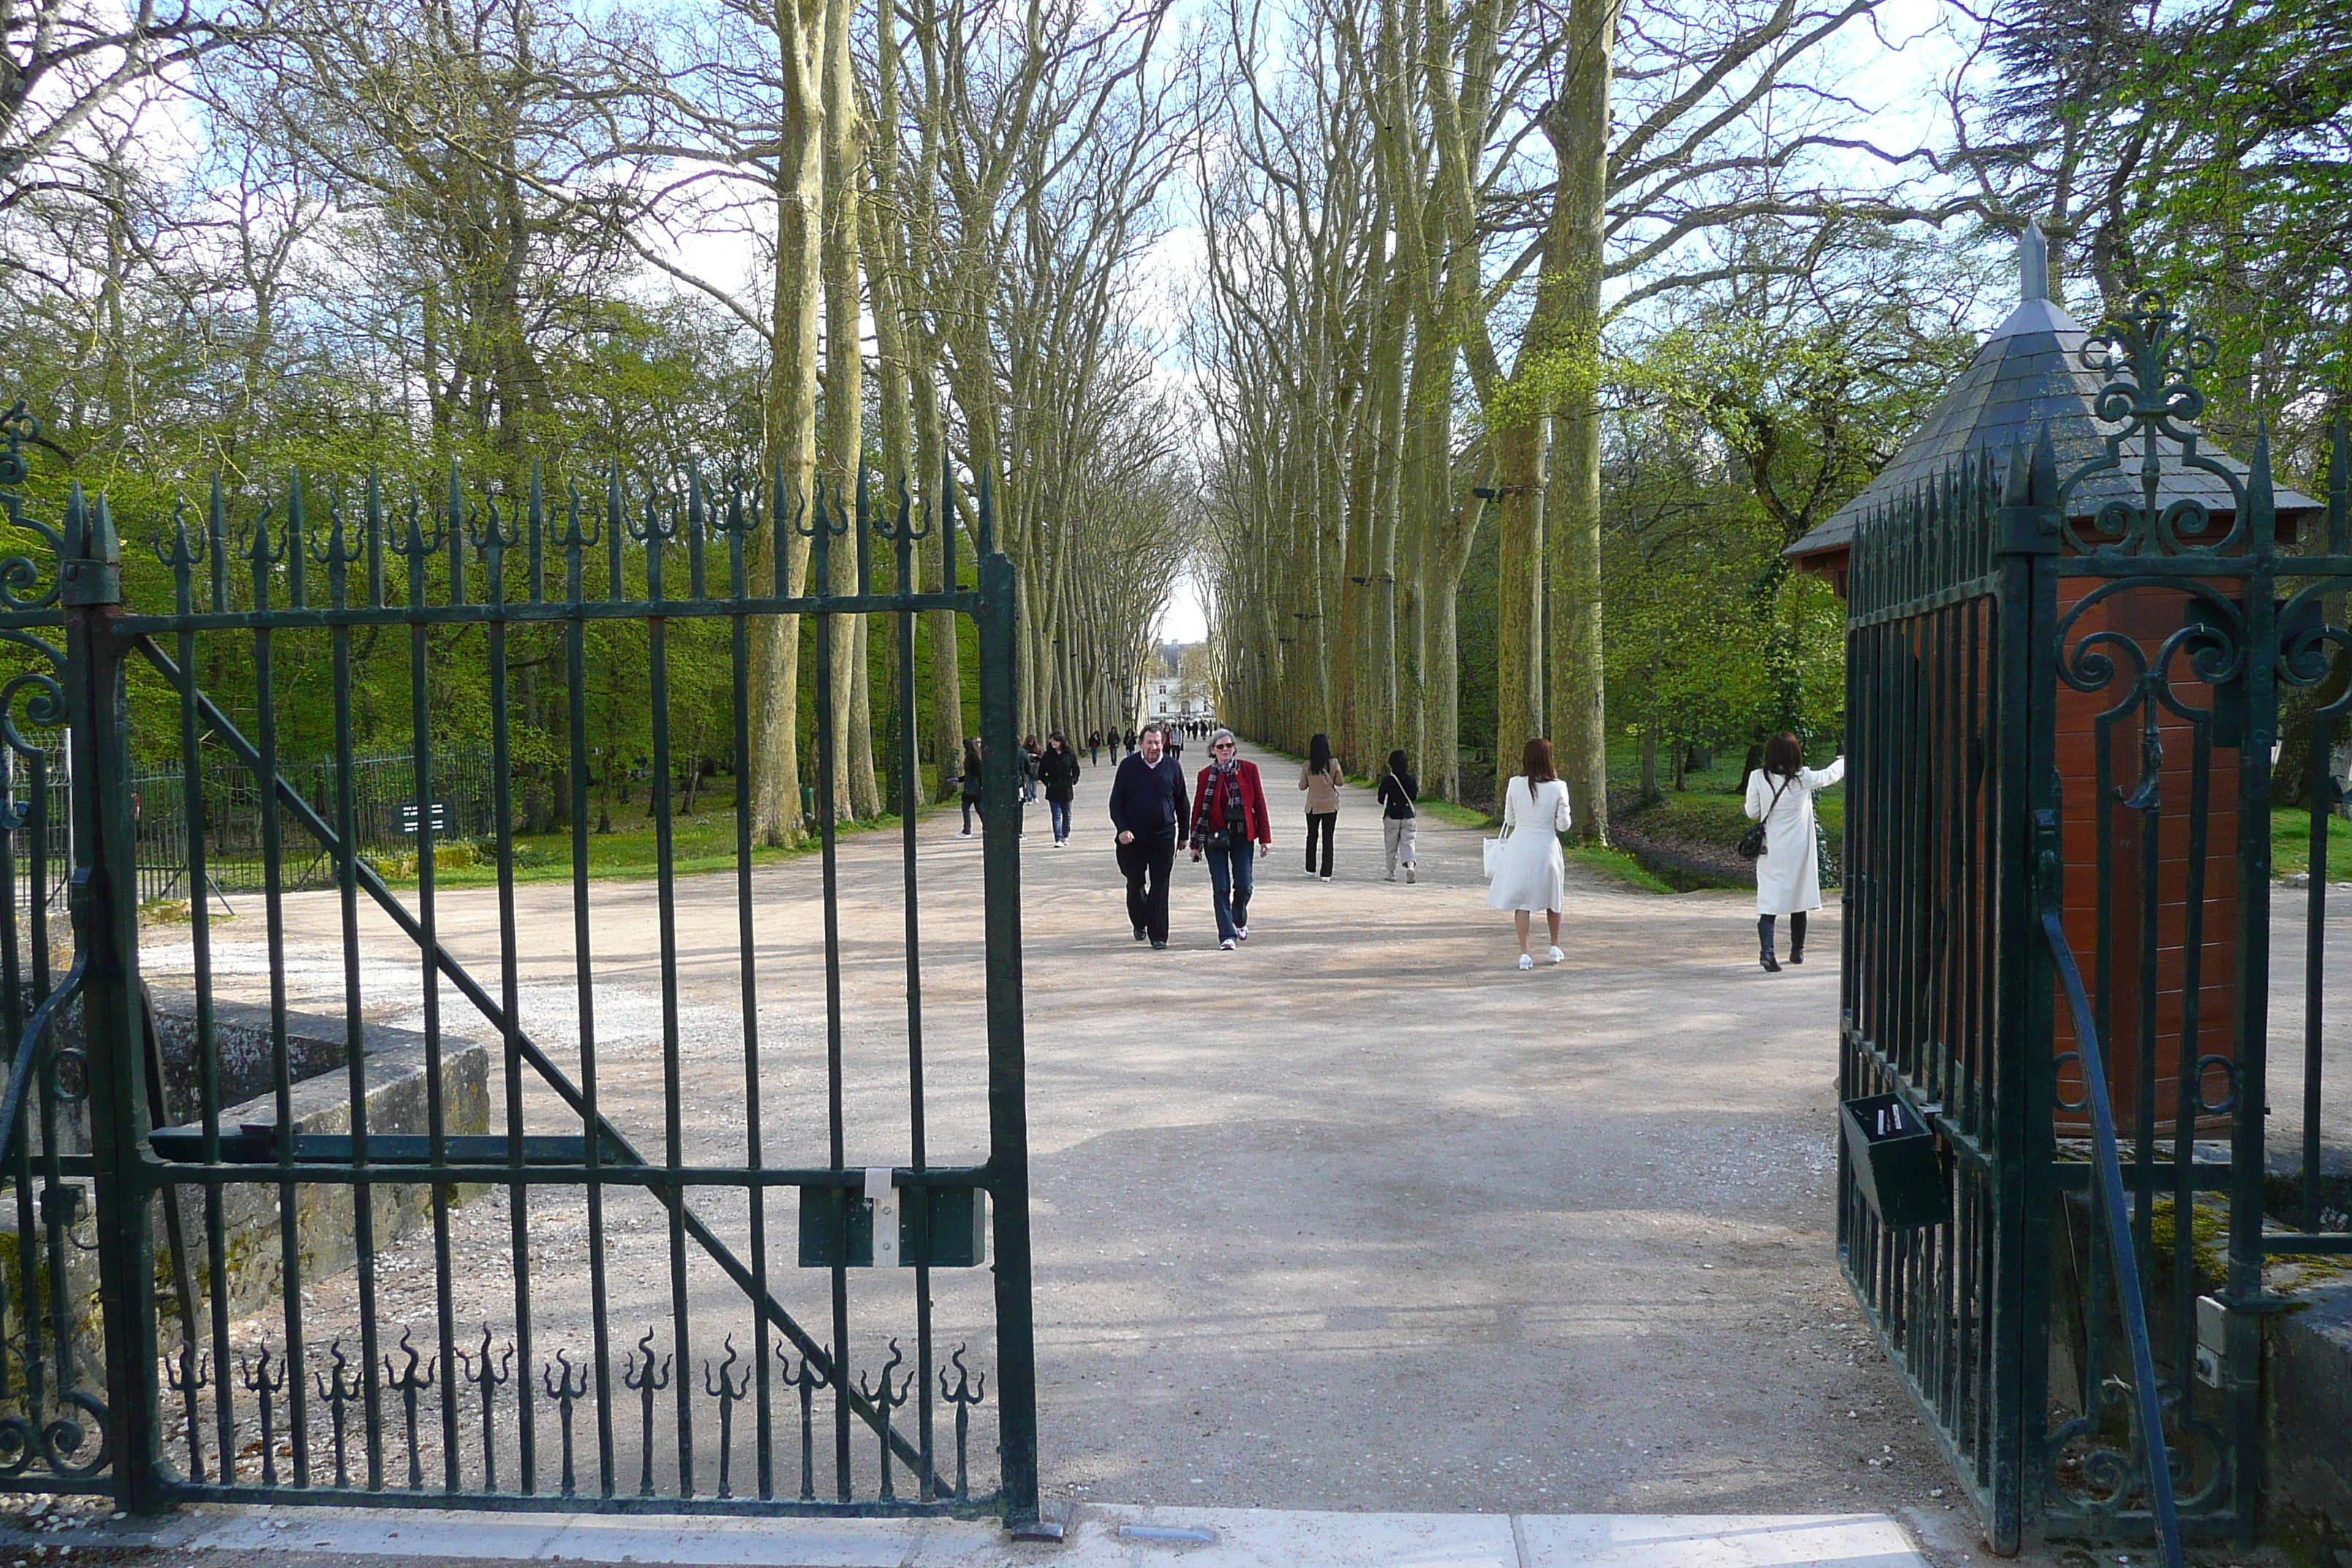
<point x="1148" y="807"/>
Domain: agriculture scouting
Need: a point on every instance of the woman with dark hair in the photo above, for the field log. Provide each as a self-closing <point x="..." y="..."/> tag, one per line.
<point x="1397" y="791"/>
<point x="1527" y="869"/>
<point x="1058" y="767"/>
<point x="1789" y="873"/>
<point x="1030" y="751"/>
<point x="1320" y="777"/>
<point x="1229" y="824"/>
<point x="971" y="781"/>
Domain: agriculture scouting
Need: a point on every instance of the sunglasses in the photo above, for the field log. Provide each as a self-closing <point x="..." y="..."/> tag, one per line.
<point x="1223" y="746"/>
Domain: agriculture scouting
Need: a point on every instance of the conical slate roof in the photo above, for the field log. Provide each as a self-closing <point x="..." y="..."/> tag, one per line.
<point x="2026" y="374"/>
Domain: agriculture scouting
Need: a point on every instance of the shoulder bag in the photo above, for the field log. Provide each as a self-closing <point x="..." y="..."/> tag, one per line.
<point x="1494" y="847"/>
<point x="1751" y="846"/>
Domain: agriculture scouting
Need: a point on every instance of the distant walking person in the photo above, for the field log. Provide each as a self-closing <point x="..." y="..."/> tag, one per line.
<point x="1093" y="747"/>
<point x="1228" y="818"/>
<point x="1147" y="808"/>
<point x="1397" y="793"/>
<point x="1788" y="872"/>
<point x="1529" y="873"/>
<point x="1319" y="776"/>
<point x="971" y="781"/>
<point x="1029" y="753"/>
<point x="1130" y="740"/>
<point x="1058" y="767"/>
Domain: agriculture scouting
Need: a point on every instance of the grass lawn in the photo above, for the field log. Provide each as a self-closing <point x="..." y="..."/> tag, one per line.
<point x="704" y="841"/>
<point x="2291" y="843"/>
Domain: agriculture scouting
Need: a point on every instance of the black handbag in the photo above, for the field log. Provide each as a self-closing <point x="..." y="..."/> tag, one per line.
<point x="1216" y="839"/>
<point x="1751" y="843"/>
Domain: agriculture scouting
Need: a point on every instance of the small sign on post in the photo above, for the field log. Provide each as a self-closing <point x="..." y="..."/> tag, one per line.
<point x="409" y="814"/>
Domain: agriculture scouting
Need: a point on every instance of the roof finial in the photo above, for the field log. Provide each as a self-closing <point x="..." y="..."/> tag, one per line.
<point x="2033" y="263"/>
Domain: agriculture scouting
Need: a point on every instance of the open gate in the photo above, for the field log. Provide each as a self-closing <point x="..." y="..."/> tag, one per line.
<point x="2063" y="697"/>
<point x="467" y="1187"/>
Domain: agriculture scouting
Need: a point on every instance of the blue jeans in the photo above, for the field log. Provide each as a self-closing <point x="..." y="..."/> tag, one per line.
<point x="1059" y="810"/>
<point x="1232" y="873"/>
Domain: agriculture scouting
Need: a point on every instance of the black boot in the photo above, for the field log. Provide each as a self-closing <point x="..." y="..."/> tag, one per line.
<point x="1764" y="945"/>
<point x="1797" y="937"/>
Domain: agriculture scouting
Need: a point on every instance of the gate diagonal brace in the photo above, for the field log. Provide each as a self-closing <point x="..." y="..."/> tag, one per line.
<point x="672" y="1197"/>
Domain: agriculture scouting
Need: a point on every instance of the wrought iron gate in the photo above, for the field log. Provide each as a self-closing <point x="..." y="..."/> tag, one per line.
<point x="2062" y="721"/>
<point x="525" y="1237"/>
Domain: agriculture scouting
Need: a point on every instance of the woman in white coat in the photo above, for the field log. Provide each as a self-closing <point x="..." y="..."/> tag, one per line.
<point x="1528" y="873"/>
<point x="1789" y="873"/>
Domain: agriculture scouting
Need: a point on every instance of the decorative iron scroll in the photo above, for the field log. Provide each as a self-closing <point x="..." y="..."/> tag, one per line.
<point x="2152" y="359"/>
<point x="492" y="1430"/>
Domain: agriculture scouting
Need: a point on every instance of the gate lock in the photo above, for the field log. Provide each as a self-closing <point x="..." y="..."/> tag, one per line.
<point x="881" y="1226"/>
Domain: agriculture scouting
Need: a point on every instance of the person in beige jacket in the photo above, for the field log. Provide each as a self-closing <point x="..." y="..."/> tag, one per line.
<point x="1320" y="777"/>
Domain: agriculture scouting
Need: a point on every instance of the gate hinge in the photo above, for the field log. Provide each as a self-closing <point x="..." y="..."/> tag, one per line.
<point x="2025" y="529"/>
<point x="89" y="583"/>
<point x="2049" y="858"/>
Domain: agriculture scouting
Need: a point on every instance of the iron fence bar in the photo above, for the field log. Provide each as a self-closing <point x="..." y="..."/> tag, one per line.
<point x="1016" y="1364"/>
<point x="417" y="549"/>
<point x="2318" y="792"/>
<point x="654" y="534"/>
<point x="828" y="742"/>
<point x="496" y="1171"/>
<point x="105" y="900"/>
<point x="669" y="1195"/>
<point x="496" y="535"/>
<point x="263" y="559"/>
<point x="2024" y="533"/>
<point x="606" y="609"/>
<point x="340" y="557"/>
<point x="737" y="526"/>
<point x="2112" y="1214"/>
<point x="903" y="539"/>
<point x="175" y="1492"/>
<point x="2242" y="1352"/>
<point x="574" y="543"/>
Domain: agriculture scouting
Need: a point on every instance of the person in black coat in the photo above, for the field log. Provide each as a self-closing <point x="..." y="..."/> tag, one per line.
<point x="969" y="779"/>
<point x="1148" y="806"/>
<point x="1058" y="770"/>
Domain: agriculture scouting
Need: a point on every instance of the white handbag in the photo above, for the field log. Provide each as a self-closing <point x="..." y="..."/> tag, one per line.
<point x="1494" y="847"/>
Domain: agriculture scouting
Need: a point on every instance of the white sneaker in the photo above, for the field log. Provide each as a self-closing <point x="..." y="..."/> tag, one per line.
<point x="1241" y="934"/>
<point x="1527" y="961"/>
<point x="1556" y="956"/>
<point x="1391" y="877"/>
<point x="1408" y="876"/>
<point x="1227" y="944"/>
<point x="965" y="834"/>
<point x="1327" y="876"/>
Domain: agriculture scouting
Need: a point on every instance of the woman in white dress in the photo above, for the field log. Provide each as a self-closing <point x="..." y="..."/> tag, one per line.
<point x="1789" y="873"/>
<point x="1528" y="871"/>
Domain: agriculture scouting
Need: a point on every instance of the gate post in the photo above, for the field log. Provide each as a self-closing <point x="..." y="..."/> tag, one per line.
<point x="2028" y="525"/>
<point x="104" y="894"/>
<point x="1008" y="1115"/>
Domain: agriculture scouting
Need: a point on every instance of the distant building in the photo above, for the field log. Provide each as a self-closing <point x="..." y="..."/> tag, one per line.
<point x="1171" y="690"/>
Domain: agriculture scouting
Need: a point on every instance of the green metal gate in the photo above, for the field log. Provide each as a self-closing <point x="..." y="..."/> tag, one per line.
<point x="495" y="1229"/>
<point x="2061" y="720"/>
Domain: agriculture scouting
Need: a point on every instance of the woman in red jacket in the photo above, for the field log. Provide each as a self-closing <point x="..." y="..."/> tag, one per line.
<point x="1228" y="816"/>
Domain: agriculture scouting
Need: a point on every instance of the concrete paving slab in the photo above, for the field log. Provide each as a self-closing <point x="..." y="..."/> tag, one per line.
<point x="1100" y="1537"/>
<point x="1714" y="1541"/>
<point x="1291" y="1538"/>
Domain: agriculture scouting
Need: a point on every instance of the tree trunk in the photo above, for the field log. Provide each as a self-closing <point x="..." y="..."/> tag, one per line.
<point x="1578" y="127"/>
<point x="791" y="417"/>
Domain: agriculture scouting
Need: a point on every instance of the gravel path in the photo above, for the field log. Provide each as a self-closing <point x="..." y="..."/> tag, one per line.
<point x="1356" y="1217"/>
